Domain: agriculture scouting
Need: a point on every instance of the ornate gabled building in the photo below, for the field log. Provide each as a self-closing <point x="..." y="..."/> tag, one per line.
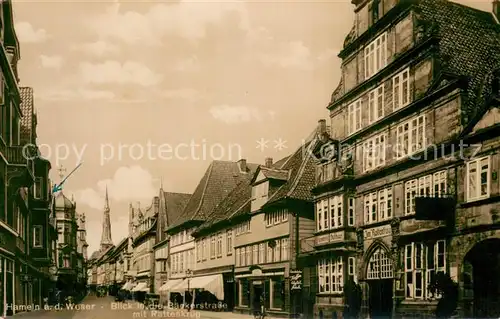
<point x="400" y="206"/>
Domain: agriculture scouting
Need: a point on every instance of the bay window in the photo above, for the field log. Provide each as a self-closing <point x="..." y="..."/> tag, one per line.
<point x="376" y="55"/>
<point x="434" y="185"/>
<point x="354" y="117"/>
<point x="374" y="152"/>
<point x="376" y="104"/>
<point x="378" y="206"/>
<point x="478" y="179"/>
<point x="422" y="262"/>
<point x="410" y="137"/>
<point x="401" y="89"/>
<point x="329" y="213"/>
<point x="330" y="275"/>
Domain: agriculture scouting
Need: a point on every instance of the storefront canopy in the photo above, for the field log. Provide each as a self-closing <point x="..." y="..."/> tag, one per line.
<point x="128" y="286"/>
<point x="213" y="283"/>
<point x="169" y="285"/>
<point x="141" y="287"/>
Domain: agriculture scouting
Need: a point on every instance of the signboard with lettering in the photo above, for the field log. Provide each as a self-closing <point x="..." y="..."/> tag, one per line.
<point x="329" y="238"/>
<point x="295" y="279"/>
<point x="377" y="232"/>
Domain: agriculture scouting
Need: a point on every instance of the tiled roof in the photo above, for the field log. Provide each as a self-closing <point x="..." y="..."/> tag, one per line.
<point x="219" y="180"/>
<point x="469" y="45"/>
<point x="175" y="204"/>
<point x="28" y="118"/>
<point x="273" y="173"/>
<point x="302" y="174"/>
<point x="280" y="163"/>
<point x="236" y="203"/>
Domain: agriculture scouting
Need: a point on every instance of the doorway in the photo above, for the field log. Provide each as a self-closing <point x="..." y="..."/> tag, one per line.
<point x="483" y="277"/>
<point x="380" y="299"/>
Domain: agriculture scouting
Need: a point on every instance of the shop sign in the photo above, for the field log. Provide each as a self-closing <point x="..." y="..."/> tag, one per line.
<point x="295" y="280"/>
<point x="377" y="232"/>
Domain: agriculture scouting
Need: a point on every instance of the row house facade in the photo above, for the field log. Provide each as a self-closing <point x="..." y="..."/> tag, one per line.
<point x="411" y="189"/>
<point x="26" y="230"/>
<point x="219" y="180"/>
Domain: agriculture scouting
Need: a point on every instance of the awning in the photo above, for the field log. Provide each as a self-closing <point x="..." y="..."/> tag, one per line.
<point x="128" y="286"/>
<point x="213" y="283"/>
<point x="141" y="287"/>
<point x="172" y="283"/>
<point x="180" y="287"/>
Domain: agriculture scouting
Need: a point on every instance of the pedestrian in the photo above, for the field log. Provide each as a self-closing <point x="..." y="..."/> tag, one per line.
<point x="262" y="305"/>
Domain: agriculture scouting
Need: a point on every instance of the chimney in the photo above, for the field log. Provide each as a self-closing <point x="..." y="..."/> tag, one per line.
<point x="269" y="162"/>
<point x="321" y="127"/>
<point x="242" y="163"/>
<point x="496" y="9"/>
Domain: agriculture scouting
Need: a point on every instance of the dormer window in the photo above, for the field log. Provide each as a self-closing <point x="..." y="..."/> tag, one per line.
<point x="259" y="195"/>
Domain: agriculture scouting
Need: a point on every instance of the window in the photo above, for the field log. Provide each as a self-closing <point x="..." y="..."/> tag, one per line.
<point x="376" y="56"/>
<point x="329" y="213"/>
<point x="374" y="152"/>
<point x="375" y="10"/>
<point x="219" y="245"/>
<point x="243" y="228"/>
<point x="181" y="267"/>
<point x="229" y="240"/>
<point x="66" y="261"/>
<point x="350" y="212"/>
<point x="37" y="236"/>
<point x="237" y="260"/>
<point x="354" y="117"/>
<point x="244" y="292"/>
<point x="379" y="265"/>
<point x="478" y="179"/>
<point x="422" y="262"/>
<point x="401" y="89"/>
<point x="351" y="270"/>
<point x="255" y="256"/>
<point x="204" y="249"/>
<point x="284" y="249"/>
<point x="198" y="251"/>
<point x="277" y="250"/>
<point x="262" y="253"/>
<point x="330" y="275"/>
<point x="37" y="192"/>
<point x="378" y="206"/>
<point x="410" y="137"/>
<point x="269" y="258"/>
<point x="376" y="104"/>
<point x="425" y="186"/>
<point x="277" y="293"/>
<point x="276" y="217"/>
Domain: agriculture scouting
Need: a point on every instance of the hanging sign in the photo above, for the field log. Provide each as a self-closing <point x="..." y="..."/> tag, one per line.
<point x="295" y="280"/>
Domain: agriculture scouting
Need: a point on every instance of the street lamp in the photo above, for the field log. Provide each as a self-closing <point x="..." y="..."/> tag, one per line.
<point x="189" y="274"/>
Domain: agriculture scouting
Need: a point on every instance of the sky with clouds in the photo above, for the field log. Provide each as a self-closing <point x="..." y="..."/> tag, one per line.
<point x="144" y="91"/>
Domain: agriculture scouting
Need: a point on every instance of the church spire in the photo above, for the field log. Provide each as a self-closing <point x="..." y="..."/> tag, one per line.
<point x="106" y="240"/>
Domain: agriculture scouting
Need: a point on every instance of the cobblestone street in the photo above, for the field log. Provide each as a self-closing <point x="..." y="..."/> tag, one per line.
<point x="106" y="308"/>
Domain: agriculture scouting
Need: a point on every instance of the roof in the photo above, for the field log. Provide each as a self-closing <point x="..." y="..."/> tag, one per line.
<point x="62" y="202"/>
<point x="273" y="173"/>
<point x="280" y="163"/>
<point x="28" y="114"/>
<point x="459" y="27"/>
<point x="301" y="167"/>
<point x="236" y="203"/>
<point x="175" y="204"/>
<point x="219" y="180"/>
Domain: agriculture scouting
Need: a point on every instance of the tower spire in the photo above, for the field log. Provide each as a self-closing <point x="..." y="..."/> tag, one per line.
<point x="106" y="240"/>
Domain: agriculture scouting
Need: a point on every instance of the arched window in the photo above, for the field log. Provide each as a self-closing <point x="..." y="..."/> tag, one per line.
<point x="379" y="266"/>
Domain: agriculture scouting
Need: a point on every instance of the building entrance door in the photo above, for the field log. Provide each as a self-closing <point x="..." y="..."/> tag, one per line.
<point x="379" y="275"/>
<point x="482" y="278"/>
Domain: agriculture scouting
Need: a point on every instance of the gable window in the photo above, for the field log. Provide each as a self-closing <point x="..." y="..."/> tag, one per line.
<point x="478" y="179"/>
<point x="401" y="89"/>
<point x="354" y="117"/>
<point x="376" y="55"/>
<point x="376" y="104"/>
<point x="422" y="262"/>
<point x="410" y="137"/>
<point x="37" y="236"/>
<point x="329" y="213"/>
<point x="374" y="152"/>
<point x="434" y="185"/>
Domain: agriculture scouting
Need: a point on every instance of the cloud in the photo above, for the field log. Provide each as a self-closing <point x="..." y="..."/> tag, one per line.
<point x="235" y="114"/>
<point x="98" y="48"/>
<point x="27" y="33"/>
<point x="114" y="72"/>
<point x="79" y="94"/>
<point x="186" y="19"/>
<point x="187" y="65"/>
<point x="288" y="55"/>
<point x="51" y="62"/>
<point x="186" y="94"/>
<point x="129" y="184"/>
